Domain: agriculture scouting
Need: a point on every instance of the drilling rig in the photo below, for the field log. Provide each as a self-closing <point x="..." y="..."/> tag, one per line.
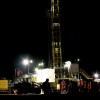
<point x="55" y="51"/>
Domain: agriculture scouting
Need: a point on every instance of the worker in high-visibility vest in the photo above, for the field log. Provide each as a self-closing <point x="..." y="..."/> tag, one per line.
<point x="63" y="86"/>
<point x="89" y="86"/>
<point x="84" y="84"/>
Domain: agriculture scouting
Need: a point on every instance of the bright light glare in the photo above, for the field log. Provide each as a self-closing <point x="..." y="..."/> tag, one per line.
<point x="67" y="64"/>
<point x="78" y="59"/>
<point x="31" y="61"/>
<point x="41" y="64"/>
<point x="96" y="75"/>
<point x="25" y="62"/>
<point x="36" y="69"/>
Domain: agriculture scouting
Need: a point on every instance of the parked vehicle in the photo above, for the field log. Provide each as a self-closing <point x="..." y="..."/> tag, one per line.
<point x="24" y="88"/>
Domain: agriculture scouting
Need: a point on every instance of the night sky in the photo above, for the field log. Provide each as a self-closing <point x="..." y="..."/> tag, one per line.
<point x="24" y="31"/>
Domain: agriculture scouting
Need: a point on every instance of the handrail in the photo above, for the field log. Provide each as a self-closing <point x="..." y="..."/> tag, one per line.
<point x="83" y="72"/>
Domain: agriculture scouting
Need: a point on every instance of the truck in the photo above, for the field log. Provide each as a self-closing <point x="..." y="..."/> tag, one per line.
<point x="3" y="86"/>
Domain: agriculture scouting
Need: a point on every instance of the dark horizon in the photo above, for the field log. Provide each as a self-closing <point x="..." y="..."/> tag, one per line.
<point x="24" y="31"/>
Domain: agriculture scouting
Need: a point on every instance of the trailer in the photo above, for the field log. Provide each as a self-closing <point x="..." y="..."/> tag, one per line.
<point x="3" y="86"/>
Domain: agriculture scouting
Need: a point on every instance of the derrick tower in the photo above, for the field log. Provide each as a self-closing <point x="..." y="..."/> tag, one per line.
<point x="55" y="56"/>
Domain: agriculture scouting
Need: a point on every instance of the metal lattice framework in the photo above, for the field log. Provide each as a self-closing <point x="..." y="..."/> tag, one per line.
<point x="56" y="52"/>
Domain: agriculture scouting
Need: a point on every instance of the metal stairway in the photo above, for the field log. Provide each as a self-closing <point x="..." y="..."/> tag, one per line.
<point x="83" y="72"/>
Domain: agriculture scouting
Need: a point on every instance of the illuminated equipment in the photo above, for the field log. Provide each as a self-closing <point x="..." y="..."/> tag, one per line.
<point x="55" y="52"/>
<point x="3" y="85"/>
<point x="68" y="65"/>
<point x="75" y="70"/>
<point x="44" y="74"/>
<point x="58" y="86"/>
